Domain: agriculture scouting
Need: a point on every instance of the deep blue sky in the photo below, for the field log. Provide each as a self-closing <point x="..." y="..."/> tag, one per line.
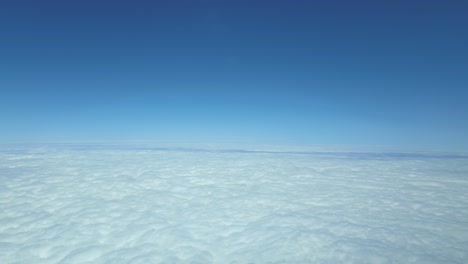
<point x="369" y="73"/>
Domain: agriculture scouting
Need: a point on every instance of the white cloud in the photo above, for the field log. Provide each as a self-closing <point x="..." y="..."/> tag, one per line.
<point x="141" y="204"/>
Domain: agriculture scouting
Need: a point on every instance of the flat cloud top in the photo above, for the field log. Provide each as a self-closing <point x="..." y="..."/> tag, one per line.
<point x="149" y="204"/>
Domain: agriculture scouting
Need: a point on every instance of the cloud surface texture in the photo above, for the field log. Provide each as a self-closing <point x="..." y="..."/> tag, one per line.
<point x="108" y="204"/>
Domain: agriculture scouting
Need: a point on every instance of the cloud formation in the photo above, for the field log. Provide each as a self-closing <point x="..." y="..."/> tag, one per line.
<point x="113" y="204"/>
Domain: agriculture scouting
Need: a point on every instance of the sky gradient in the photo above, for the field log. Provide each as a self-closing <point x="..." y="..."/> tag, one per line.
<point x="367" y="73"/>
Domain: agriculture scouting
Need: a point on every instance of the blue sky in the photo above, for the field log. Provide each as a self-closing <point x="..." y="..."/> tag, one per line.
<point x="366" y="73"/>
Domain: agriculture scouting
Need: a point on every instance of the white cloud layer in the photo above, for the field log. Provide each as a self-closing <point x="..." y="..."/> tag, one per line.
<point x="108" y="204"/>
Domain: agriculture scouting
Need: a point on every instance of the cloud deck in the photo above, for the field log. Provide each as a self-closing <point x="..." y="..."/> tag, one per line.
<point x="172" y="205"/>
